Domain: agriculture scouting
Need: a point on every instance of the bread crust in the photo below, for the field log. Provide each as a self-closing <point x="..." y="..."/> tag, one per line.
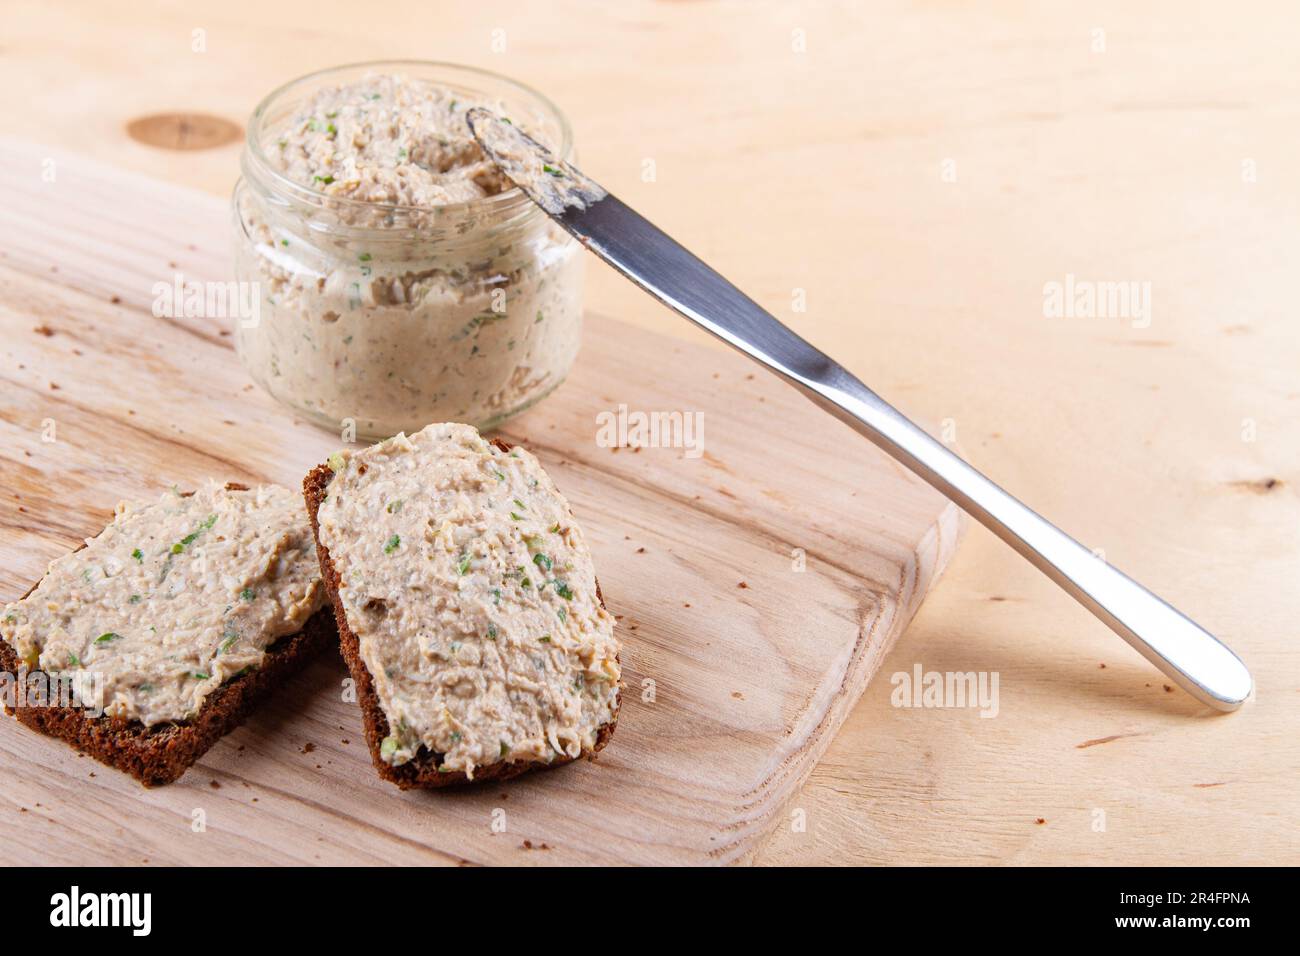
<point x="422" y="771"/>
<point x="161" y="754"/>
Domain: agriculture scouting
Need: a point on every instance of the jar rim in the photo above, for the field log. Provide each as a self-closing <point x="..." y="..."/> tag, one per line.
<point x="503" y="203"/>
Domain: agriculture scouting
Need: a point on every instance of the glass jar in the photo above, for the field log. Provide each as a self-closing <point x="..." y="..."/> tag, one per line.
<point x="391" y="317"/>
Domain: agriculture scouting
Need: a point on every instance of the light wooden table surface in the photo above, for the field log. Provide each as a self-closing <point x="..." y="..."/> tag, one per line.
<point x="920" y="172"/>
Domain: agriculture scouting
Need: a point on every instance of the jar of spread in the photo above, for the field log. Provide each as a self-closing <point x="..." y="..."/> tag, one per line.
<point x="401" y="278"/>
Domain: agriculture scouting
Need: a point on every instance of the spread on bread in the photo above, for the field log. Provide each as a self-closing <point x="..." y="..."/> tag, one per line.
<point x="171" y="600"/>
<point x="472" y="595"/>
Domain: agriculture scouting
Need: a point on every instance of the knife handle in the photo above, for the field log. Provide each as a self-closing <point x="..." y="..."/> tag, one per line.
<point x="1191" y="656"/>
<point x="1188" y="654"/>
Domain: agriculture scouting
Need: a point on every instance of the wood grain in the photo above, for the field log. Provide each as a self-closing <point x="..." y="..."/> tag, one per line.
<point x="739" y="666"/>
<point x="824" y="171"/>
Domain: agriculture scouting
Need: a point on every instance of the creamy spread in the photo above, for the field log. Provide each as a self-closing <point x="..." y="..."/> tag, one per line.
<point x="171" y="600"/>
<point x="389" y="140"/>
<point x="401" y="295"/>
<point x="472" y="594"/>
<point x="552" y="183"/>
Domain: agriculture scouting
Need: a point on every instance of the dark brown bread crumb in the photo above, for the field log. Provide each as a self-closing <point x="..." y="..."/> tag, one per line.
<point x="422" y="771"/>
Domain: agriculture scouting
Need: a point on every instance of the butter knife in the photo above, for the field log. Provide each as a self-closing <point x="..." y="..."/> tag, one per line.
<point x="1187" y="653"/>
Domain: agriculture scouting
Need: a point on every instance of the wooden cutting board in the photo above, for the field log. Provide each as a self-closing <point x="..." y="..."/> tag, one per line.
<point x="758" y="585"/>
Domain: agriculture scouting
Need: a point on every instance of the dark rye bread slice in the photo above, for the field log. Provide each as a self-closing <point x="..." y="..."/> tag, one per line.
<point x="160" y="754"/>
<point x="421" y="772"/>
